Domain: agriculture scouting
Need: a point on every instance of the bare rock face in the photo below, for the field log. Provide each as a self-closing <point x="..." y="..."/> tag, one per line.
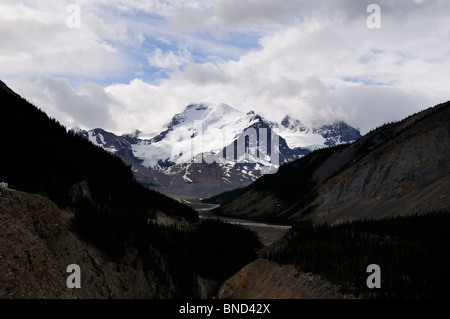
<point x="263" y="279"/>
<point x="37" y="246"/>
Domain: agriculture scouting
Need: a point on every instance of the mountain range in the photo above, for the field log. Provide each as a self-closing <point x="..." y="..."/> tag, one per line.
<point x="208" y="149"/>
<point x="399" y="168"/>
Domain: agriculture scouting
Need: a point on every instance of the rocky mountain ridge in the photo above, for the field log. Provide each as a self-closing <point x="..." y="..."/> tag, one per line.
<point x="198" y="151"/>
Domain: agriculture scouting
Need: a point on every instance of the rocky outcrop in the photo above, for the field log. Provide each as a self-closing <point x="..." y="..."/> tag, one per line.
<point x="263" y="279"/>
<point x="37" y="246"/>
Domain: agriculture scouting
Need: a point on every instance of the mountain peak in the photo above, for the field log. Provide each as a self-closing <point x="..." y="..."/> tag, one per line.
<point x="337" y="133"/>
<point x="197" y="107"/>
<point x="292" y="124"/>
<point x="202" y="111"/>
<point x="193" y="111"/>
<point x="76" y="129"/>
<point x="135" y="133"/>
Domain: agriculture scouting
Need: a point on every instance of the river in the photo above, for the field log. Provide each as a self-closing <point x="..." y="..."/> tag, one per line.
<point x="267" y="233"/>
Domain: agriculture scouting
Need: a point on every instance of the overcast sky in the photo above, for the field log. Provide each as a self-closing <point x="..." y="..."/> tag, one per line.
<point x="133" y="64"/>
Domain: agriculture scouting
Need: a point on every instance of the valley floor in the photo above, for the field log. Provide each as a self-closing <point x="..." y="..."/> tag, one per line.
<point x="267" y="233"/>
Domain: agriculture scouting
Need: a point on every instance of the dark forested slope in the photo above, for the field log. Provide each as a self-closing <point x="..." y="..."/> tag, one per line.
<point x="38" y="155"/>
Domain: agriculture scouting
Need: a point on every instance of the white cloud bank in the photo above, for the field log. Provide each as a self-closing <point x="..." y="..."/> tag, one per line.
<point x="316" y="60"/>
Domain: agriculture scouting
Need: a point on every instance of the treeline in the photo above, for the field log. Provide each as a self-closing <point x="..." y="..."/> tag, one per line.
<point x="412" y="252"/>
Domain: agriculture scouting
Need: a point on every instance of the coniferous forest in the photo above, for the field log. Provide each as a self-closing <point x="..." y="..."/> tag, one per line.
<point x="412" y="252"/>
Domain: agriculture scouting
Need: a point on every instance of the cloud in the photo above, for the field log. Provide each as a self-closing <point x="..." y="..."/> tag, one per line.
<point x="326" y="68"/>
<point x="88" y="107"/>
<point x="315" y="60"/>
<point x="171" y="60"/>
<point x="37" y="40"/>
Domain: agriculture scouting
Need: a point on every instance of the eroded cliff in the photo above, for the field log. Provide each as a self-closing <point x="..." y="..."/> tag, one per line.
<point x="37" y="245"/>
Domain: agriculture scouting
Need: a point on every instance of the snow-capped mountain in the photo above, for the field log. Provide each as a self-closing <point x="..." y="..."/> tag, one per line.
<point x="200" y="128"/>
<point x="298" y="135"/>
<point x="209" y="148"/>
